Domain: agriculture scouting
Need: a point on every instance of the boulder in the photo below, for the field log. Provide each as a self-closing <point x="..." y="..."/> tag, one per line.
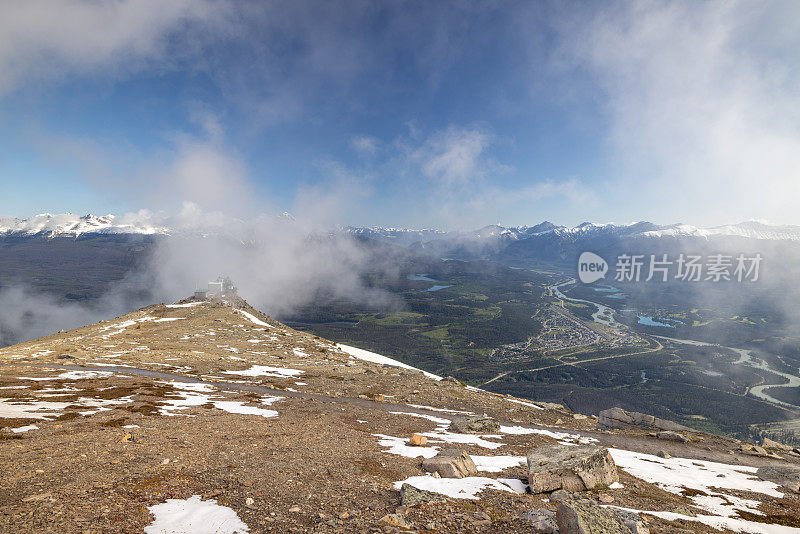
<point x="617" y="418"/>
<point x="669" y="435"/>
<point x="451" y="463"/>
<point x="785" y="475"/>
<point x="475" y="424"/>
<point x="541" y="520"/>
<point x="411" y="496"/>
<point x="570" y="468"/>
<point x="584" y="516"/>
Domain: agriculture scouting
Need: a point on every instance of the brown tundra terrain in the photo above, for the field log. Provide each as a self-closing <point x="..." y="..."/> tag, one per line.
<point x="210" y="417"/>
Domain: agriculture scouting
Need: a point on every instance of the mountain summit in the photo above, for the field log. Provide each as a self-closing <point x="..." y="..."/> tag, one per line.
<point x="206" y="417"/>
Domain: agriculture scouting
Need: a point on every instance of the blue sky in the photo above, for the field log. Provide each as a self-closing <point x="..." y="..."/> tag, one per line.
<point x="446" y="114"/>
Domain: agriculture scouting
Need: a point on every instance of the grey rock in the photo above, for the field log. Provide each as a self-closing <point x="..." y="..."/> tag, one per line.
<point x="663" y="454"/>
<point x="570" y="468"/>
<point x="476" y="424"/>
<point x="451" y="463"/>
<point x="560" y="495"/>
<point x="617" y="418"/>
<point x="541" y="520"/>
<point x="632" y="520"/>
<point x="411" y="496"/>
<point x="785" y="475"/>
<point x="669" y="435"/>
<point x="583" y="516"/>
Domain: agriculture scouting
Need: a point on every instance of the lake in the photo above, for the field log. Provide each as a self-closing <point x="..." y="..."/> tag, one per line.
<point x="437" y="288"/>
<point x="419" y="277"/>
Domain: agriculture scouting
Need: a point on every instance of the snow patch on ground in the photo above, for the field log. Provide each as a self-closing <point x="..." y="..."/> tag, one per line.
<point x="496" y="464"/>
<point x="253" y="318"/>
<point x="83" y="375"/>
<point x="187" y="305"/>
<point x="400" y="447"/>
<point x="264" y="370"/>
<point x="723" y="523"/>
<point x="368" y="356"/>
<point x="194" y="516"/>
<point x="21" y="429"/>
<point x="444" y="410"/>
<point x="563" y="437"/>
<point x="528" y="404"/>
<point x="676" y="474"/>
<point x="455" y="488"/>
<point x="239" y="407"/>
<point x="442" y="435"/>
<point x="19" y="409"/>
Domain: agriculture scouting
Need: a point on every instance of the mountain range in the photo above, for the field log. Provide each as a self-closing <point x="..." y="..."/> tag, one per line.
<point x="71" y="225"/>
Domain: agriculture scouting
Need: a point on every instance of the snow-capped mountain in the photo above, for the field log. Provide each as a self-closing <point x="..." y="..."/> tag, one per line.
<point x="642" y="229"/>
<point x="71" y="225"/>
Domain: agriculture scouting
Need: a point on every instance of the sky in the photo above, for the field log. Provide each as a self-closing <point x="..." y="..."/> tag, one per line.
<point x="403" y="113"/>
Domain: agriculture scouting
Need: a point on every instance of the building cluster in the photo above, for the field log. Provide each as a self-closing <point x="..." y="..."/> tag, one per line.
<point x="222" y="287"/>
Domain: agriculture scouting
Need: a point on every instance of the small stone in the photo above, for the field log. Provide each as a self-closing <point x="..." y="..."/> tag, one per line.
<point x="669" y="435"/>
<point x="249" y="501"/>
<point x="605" y="498"/>
<point x="663" y="454"/>
<point x="294" y="509"/>
<point x="395" y="520"/>
<point x="418" y="440"/>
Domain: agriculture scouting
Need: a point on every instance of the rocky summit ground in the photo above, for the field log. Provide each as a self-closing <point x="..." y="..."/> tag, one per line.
<point x="212" y="413"/>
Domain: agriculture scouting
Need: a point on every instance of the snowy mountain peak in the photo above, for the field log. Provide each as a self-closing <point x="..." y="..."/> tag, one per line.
<point x="71" y="225"/>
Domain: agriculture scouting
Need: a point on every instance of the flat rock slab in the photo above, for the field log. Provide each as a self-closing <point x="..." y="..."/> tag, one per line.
<point x="451" y="463"/>
<point x="570" y="468"/>
<point x="617" y="418"/>
<point x="411" y="496"/>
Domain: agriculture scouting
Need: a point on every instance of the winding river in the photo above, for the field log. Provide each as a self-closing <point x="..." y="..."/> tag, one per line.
<point x="746" y="357"/>
<point x="604" y="314"/>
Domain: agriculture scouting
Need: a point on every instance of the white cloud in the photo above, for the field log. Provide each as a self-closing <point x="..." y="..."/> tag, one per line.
<point x="45" y="39"/>
<point x="702" y="105"/>
<point x="364" y="144"/>
<point x="455" y="156"/>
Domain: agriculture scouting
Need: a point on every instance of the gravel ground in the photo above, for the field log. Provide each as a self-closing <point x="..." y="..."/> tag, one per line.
<point x="145" y="408"/>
